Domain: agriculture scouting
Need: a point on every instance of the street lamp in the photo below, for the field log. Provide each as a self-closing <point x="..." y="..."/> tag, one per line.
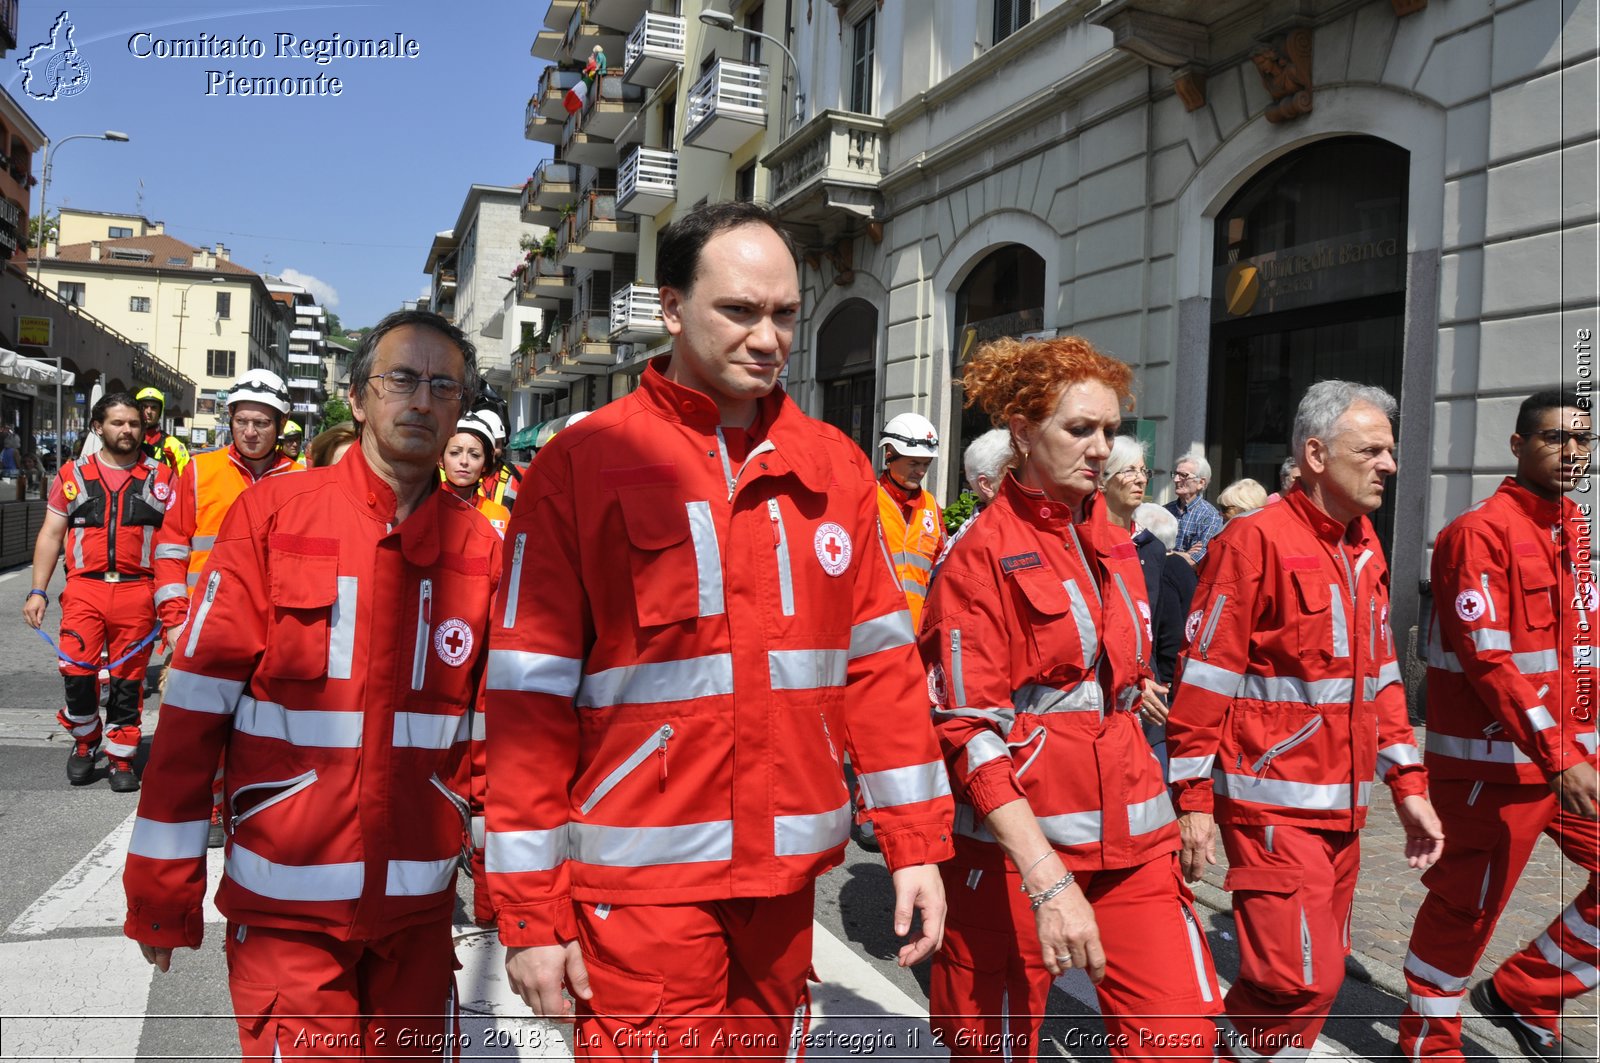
<point x="723" y="21"/>
<point x="183" y="313"/>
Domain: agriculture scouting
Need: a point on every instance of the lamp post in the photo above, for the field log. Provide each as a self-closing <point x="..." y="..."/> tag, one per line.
<point x="723" y="21"/>
<point x="183" y="313"/>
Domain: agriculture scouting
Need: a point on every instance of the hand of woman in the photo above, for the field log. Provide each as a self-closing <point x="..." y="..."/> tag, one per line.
<point x="1069" y="935"/>
<point x="1153" y="702"/>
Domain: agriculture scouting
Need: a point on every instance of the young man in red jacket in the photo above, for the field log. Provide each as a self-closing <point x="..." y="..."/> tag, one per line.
<point x="1289" y="696"/>
<point x="1511" y="741"/>
<point x="699" y="622"/>
<point x="331" y="659"/>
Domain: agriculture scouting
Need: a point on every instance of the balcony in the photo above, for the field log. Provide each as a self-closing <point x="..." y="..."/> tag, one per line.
<point x="548" y="45"/>
<point x="596" y="232"/>
<point x="586" y="342"/>
<point x="580" y="146"/>
<point x="727" y="106"/>
<point x="582" y="35"/>
<point x="552" y="91"/>
<point x="304" y="358"/>
<point x="559" y="13"/>
<point x="543" y="284"/>
<point x="654" y="50"/>
<point x="648" y="181"/>
<point x="611" y="107"/>
<point x="828" y="169"/>
<point x="306" y="335"/>
<point x="305" y="383"/>
<point x="548" y="374"/>
<point x="308" y="310"/>
<point x="617" y="13"/>
<point x="535" y="126"/>
<point x="552" y="186"/>
<point x="636" y="314"/>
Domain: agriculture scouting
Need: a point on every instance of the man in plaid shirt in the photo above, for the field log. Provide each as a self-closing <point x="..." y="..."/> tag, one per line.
<point x="1198" y="520"/>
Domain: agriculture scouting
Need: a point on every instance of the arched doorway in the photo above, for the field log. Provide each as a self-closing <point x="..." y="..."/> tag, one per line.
<point x="1002" y="296"/>
<point x="1308" y="284"/>
<point x="846" y="370"/>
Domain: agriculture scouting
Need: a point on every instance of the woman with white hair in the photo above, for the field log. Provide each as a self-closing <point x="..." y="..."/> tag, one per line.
<point x="1123" y="477"/>
<point x="985" y="461"/>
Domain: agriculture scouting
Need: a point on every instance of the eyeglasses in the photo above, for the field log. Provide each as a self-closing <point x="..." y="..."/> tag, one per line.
<point x="240" y="424"/>
<point x="1183" y="477"/>
<point x="1558" y="438"/>
<point x="1133" y="473"/>
<point x="404" y="382"/>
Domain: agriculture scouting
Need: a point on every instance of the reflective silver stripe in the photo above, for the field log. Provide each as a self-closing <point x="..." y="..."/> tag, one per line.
<point x="119" y="749"/>
<point x="202" y="693"/>
<point x="984" y="747"/>
<point x="1532" y="662"/>
<point x="1366" y="555"/>
<point x="1181" y="768"/>
<point x="904" y="786"/>
<point x="1579" y="929"/>
<point x="1389" y="673"/>
<point x="308" y="728"/>
<point x="644" y="684"/>
<point x="1539" y="717"/>
<point x="781" y="549"/>
<point x="510" y="852"/>
<point x="1039" y="700"/>
<point x="1071" y="828"/>
<point x="1426" y="971"/>
<point x="426" y="730"/>
<point x="294" y="882"/>
<point x="915" y="560"/>
<point x="707" y="558"/>
<point x="1435" y="1007"/>
<point x="1557" y="957"/>
<point x="1197" y="953"/>
<point x="168" y="591"/>
<point x="1399" y="755"/>
<point x="419" y="878"/>
<point x="1088" y="640"/>
<point x="690" y="843"/>
<point x="911" y="586"/>
<point x="203" y="542"/>
<point x="1479" y="749"/>
<point x="958" y="684"/>
<point x="967" y="825"/>
<point x="1001" y="718"/>
<point x="514" y="588"/>
<point x="1289" y="688"/>
<point x="1150" y="815"/>
<point x="479" y="729"/>
<point x="887" y="632"/>
<point x="1589" y="740"/>
<point x="147" y="539"/>
<point x="1336" y="616"/>
<point x="342" y="629"/>
<point x="197" y="618"/>
<point x="534" y="673"/>
<point x="806" y="669"/>
<point x="1488" y="638"/>
<point x="172" y="552"/>
<point x="816" y="833"/>
<point x="193" y="580"/>
<point x="1210" y="677"/>
<point x="169" y="841"/>
<point x="1326" y="797"/>
<point x="477" y="832"/>
<point x="77" y="548"/>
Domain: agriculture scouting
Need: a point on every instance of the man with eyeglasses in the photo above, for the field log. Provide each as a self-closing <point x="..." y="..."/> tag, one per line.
<point x="331" y="659"/>
<point x="1511" y="741"/>
<point x="1198" y="520"/>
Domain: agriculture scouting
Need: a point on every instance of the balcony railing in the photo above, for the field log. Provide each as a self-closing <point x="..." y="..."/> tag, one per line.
<point x="577" y="145"/>
<point x="832" y="164"/>
<point x="612" y="103"/>
<point x="587" y="341"/>
<point x="727" y="106"/>
<point x="544" y="283"/>
<point x="552" y="91"/>
<point x="647" y="181"/>
<point x="636" y="313"/>
<point x="535" y="126"/>
<point x="654" y="49"/>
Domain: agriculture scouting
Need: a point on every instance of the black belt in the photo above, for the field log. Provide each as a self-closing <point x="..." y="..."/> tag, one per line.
<point x="112" y="577"/>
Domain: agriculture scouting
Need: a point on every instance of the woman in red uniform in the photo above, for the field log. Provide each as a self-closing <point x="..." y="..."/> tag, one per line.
<point x="1039" y="662"/>
<point x="463" y="462"/>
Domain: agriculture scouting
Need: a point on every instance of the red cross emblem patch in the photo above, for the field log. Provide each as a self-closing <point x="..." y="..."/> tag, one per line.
<point x="453" y="642"/>
<point x="833" y="548"/>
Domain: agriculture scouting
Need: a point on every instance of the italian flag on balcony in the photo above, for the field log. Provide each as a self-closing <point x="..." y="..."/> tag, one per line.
<point x="578" y="95"/>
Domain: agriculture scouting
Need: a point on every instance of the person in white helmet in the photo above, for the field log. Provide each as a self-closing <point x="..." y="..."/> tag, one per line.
<point x="501" y="478"/>
<point x="913" y="524"/>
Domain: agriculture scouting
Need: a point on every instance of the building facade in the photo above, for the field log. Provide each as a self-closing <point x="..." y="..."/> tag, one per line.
<point x="309" y="363"/>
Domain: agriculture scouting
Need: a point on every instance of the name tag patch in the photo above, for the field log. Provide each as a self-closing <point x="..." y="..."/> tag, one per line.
<point x="1018" y="562"/>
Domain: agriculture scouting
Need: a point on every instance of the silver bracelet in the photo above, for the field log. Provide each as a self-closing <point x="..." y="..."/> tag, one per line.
<point x="1036" y="901"/>
<point x="1048" y="853"/>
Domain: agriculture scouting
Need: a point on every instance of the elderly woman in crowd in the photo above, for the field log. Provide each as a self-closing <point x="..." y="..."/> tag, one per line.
<point x="1122" y="481"/>
<point x="1240" y="497"/>
<point x="1039" y="660"/>
<point x="985" y="462"/>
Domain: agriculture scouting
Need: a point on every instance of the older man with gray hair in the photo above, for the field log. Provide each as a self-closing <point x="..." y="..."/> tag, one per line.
<point x="1198" y="520"/>
<point x="1288" y="697"/>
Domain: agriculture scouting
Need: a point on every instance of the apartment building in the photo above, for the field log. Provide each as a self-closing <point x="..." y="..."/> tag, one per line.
<point x="310" y="365"/>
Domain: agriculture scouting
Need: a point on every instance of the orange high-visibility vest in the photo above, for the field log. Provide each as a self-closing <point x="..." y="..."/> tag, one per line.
<point x="914" y="545"/>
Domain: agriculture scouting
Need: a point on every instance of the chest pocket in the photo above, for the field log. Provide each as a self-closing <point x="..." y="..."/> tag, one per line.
<point x="1061" y="628"/>
<point x="1538" y="590"/>
<point x="676" y="569"/>
<point x="137" y="508"/>
<point x="1322" y="629"/>
<point x="303" y="585"/>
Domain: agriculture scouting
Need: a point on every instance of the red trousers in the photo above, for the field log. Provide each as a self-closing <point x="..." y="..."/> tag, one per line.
<point x="989" y="986"/>
<point x="717" y="979"/>
<point x="1490" y="831"/>
<point x="303" y="995"/>
<point x="1292" y="892"/>
<point x="107" y="618"/>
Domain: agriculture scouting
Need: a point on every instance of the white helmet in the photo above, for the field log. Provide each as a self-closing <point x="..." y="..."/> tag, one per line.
<point x="263" y="386"/>
<point x="474" y="423"/>
<point x="910" y="435"/>
<point x="491" y="421"/>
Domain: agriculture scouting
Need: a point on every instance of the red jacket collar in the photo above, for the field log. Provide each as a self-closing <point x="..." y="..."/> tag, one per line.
<point x="898" y="493"/>
<point x="419" y="538"/>
<point x="1326" y="528"/>
<point x="243" y="463"/>
<point x="1034" y="507"/>
<point x="1539" y="510"/>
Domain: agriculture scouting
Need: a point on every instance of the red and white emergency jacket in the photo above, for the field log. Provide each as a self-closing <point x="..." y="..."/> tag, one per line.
<point x="113" y="531"/>
<point x="687" y="643"/>
<point x="334" y="658"/>
<point x="1288" y="693"/>
<point x="207" y="489"/>
<point x="1511" y="695"/>
<point x="1037" y="637"/>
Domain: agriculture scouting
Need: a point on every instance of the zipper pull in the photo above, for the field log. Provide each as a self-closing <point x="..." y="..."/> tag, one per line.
<point x="661" y="753"/>
<point x="775" y="517"/>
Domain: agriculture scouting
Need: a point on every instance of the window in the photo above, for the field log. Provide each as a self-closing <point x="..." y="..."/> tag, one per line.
<point x="744" y="184"/>
<point x="219" y="363"/>
<point x="752" y="45"/>
<point x="71" y="292"/>
<point x="224" y="304"/>
<point x="139" y="304"/>
<point x="1009" y="17"/>
<point x="865" y="35"/>
<point x="118" y="232"/>
<point x="669" y="122"/>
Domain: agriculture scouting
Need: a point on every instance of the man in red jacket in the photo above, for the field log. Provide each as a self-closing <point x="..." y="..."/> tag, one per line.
<point x="331" y="658"/>
<point x="1511" y="741"/>
<point x="700" y="621"/>
<point x="1288" y="697"/>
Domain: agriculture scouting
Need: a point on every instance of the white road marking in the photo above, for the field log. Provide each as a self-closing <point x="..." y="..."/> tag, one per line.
<point x="83" y="999"/>
<point x="14" y="573"/>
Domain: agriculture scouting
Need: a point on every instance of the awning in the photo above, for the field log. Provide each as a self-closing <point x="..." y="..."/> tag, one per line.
<point x="522" y="438"/>
<point x="15" y="369"/>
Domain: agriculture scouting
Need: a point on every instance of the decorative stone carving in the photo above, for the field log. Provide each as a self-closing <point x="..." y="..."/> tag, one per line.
<point x="1191" y="85"/>
<point x="1285" y="70"/>
<point x="842" y="255"/>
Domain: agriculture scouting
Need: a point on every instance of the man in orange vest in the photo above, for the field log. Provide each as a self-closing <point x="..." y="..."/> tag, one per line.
<point x="103" y="512"/>
<point x="913" y="525"/>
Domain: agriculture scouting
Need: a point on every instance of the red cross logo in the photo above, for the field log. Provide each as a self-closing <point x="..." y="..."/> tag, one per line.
<point x="453" y="642"/>
<point x="832" y="547"/>
<point x="832" y="544"/>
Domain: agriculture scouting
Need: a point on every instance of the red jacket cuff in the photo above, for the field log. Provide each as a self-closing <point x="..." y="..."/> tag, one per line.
<point x="1194" y="795"/>
<point x="992" y="786"/>
<point x="1409" y="781"/>
<point x="546" y="923"/>
<point x="921" y="842"/>
<point x="165" y="928"/>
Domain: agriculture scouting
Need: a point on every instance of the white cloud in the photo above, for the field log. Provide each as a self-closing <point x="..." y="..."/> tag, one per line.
<point x="326" y="294"/>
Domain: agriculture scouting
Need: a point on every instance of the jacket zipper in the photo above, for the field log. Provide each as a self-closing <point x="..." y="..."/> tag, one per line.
<point x="1372" y="622"/>
<point x="958" y="686"/>
<point x="833" y="750"/>
<point x="291" y="787"/>
<point x="113" y="518"/>
<point x="656" y="743"/>
<point x="1083" y="560"/>
<point x="456" y="799"/>
<point x="510" y="619"/>
<point x="1138" y="625"/>
<point x="1489" y="598"/>
<point x="1305" y="948"/>
<point x="1196" y="953"/>
<point x="419" y="657"/>
<point x="780" y="545"/>
<point x="1211" y="626"/>
<point x="1309" y="728"/>
<point x="199" y="619"/>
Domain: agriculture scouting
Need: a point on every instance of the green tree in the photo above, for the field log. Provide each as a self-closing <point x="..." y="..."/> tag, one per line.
<point x="334" y="327"/>
<point x="960" y="511"/>
<point x="335" y="411"/>
<point x="51" y="222"/>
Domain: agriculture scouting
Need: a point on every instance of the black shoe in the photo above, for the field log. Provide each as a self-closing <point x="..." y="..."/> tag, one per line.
<point x="865" y="837"/>
<point x="80" y="766"/>
<point x="123" y="780"/>
<point x="1536" y="1043"/>
<point x="216" y="837"/>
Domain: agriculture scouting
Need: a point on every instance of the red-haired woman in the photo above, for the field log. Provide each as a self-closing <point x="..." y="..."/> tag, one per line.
<point x="1039" y="658"/>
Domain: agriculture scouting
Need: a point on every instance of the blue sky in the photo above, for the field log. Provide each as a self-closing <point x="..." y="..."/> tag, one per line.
<point x="346" y="191"/>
